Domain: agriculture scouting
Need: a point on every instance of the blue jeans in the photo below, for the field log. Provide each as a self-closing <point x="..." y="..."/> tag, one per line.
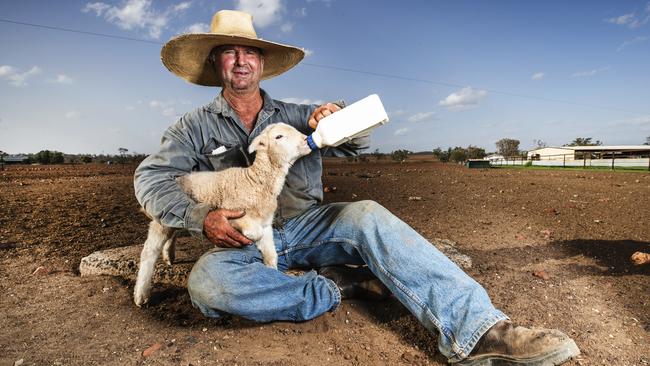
<point x="432" y="287"/>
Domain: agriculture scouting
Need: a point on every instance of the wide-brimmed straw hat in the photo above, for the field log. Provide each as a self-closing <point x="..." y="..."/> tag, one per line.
<point x="187" y="55"/>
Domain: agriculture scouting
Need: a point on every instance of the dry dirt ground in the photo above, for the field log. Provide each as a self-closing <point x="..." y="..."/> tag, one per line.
<point x="578" y="228"/>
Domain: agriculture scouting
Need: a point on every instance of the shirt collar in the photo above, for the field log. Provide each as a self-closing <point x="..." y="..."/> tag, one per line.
<point x="220" y="105"/>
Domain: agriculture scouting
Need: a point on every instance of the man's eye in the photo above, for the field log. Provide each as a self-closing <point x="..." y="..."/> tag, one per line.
<point x="278" y="137"/>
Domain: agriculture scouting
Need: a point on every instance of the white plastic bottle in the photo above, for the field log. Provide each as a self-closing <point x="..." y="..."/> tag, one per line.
<point x="348" y="123"/>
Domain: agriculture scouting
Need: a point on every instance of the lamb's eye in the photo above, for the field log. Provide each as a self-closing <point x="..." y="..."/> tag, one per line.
<point x="278" y="137"/>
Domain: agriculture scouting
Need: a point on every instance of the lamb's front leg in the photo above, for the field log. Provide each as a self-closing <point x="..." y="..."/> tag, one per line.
<point x="267" y="248"/>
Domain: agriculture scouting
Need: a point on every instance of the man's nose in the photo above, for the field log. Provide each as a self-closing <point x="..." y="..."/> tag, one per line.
<point x="240" y="58"/>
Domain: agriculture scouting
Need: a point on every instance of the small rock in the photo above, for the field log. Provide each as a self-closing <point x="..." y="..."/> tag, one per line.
<point x="552" y="211"/>
<point x="149" y="351"/>
<point x="597" y="221"/>
<point x="542" y="274"/>
<point x="19" y="362"/>
<point x="548" y="234"/>
<point x="328" y="189"/>
<point x="41" y="271"/>
<point x="415" y="198"/>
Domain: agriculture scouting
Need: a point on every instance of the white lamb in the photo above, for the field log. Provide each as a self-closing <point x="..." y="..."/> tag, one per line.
<point x="254" y="190"/>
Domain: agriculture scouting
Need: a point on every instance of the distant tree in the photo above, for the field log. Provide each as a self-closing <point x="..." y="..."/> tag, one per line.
<point x="442" y="155"/>
<point x="377" y="155"/>
<point x="400" y="155"/>
<point x="56" y="157"/>
<point x="538" y="144"/>
<point x="584" y="141"/>
<point x="647" y="141"/>
<point x="508" y="147"/>
<point x="123" y="152"/>
<point x="48" y="157"/>
<point x="475" y="152"/>
<point x="2" y="160"/>
<point x="458" y="154"/>
<point x="86" y="159"/>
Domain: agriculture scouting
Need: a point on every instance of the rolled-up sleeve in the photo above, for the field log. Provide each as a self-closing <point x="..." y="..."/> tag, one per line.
<point x="158" y="192"/>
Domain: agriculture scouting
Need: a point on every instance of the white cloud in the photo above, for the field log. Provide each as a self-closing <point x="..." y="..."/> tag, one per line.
<point x="72" y="115"/>
<point x="538" y="76"/>
<point x="591" y="72"/>
<point x="327" y="3"/>
<point x="463" y="99"/>
<point x="264" y="12"/>
<point x="632" y="20"/>
<point x="397" y="113"/>
<point x="16" y="78"/>
<point x="308" y="52"/>
<point x="137" y="14"/>
<point x="197" y="28"/>
<point x="167" y="109"/>
<point x="422" y="116"/>
<point x="632" y="41"/>
<point x="182" y="6"/>
<point x="301" y="12"/>
<point x="286" y="27"/>
<point x="61" y="79"/>
<point x="301" y="101"/>
<point x="402" y="131"/>
<point x="129" y="108"/>
<point x="98" y="8"/>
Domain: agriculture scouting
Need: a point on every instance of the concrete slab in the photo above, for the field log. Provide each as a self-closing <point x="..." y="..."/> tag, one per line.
<point x="123" y="262"/>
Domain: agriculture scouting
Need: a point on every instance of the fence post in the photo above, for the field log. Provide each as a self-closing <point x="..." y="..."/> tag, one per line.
<point x="612" y="161"/>
<point x="564" y="161"/>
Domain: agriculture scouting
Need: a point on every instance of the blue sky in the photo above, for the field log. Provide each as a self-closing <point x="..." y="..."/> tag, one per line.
<point x="450" y="73"/>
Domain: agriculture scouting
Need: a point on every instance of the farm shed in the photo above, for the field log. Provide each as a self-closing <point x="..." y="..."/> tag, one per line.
<point x="16" y="159"/>
<point x="568" y="153"/>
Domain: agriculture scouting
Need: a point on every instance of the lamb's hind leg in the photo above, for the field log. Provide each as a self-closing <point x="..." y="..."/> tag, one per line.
<point x="156" y="238"/>
<point x="169" y="249"/>
<point x="267" y="248"/>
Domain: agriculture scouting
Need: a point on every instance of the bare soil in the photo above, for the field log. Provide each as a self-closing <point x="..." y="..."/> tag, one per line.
<point x="551" y="247"/>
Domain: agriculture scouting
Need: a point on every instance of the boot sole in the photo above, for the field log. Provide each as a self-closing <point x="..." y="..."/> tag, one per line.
<point x="560" y="355"/>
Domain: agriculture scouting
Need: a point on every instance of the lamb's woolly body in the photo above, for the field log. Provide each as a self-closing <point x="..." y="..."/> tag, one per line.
<point x="253" y="190"/>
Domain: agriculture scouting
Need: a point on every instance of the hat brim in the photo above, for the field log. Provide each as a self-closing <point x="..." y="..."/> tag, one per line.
<point x="187" y="56"/>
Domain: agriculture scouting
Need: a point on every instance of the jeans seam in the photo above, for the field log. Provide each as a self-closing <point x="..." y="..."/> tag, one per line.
<point x="334" y="289"/>
<point x="317" y="244"/>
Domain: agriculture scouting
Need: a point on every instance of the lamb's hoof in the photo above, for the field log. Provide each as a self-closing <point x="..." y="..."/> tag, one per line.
<point x="140" y="298"/>
<point x="168" y="259"/>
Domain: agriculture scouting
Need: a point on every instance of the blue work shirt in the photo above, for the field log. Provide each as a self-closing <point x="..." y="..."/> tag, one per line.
<point x="188" y="144"/>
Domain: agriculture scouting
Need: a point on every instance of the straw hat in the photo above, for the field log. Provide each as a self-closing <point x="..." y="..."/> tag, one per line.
<point x="187" y="55"/>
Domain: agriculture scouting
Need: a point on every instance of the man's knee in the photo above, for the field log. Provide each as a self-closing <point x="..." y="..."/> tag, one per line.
<point x="368" y="212"/>
<point x="213" y="279"/>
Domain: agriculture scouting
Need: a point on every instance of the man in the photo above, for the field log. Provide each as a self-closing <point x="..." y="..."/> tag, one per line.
<point x="232" y="279"/>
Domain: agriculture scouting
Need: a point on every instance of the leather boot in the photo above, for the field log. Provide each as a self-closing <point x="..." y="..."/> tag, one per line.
<point x="356" y="283"/>
<point x="504" y="344"/>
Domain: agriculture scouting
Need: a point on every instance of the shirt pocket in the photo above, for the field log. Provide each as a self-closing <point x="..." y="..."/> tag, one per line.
<point x="229" y="154"/>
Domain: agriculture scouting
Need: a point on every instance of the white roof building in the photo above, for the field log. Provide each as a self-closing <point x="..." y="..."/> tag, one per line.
<point x="589" y="152"/>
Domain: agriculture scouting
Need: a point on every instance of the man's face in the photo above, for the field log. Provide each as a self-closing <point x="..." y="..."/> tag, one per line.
<point x="240" y="67"/>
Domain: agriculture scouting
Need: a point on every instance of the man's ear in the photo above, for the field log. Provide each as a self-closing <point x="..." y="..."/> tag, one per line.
<point x="259" y="143"/>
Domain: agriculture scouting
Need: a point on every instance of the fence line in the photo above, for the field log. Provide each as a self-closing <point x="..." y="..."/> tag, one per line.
<point x="586" y="161"/>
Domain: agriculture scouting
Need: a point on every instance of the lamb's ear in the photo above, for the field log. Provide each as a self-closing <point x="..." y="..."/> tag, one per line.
<point x="259" y="143"/>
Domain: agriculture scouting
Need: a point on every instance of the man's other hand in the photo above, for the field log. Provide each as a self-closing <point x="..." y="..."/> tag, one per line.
<point x="219" y="231"/>
<point x="322" y="112"/>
